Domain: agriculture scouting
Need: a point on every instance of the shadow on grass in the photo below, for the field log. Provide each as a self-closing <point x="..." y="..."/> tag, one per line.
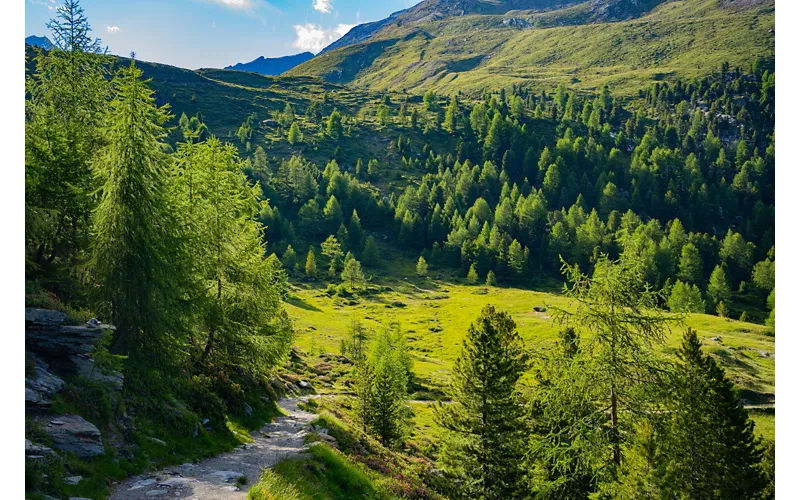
<point x="298" y="302"/>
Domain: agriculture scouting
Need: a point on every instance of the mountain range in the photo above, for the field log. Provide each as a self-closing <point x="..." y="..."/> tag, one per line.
<point x="272" y="66"/>
<point x="39" y="41"/>
<point x="471" y="45"/>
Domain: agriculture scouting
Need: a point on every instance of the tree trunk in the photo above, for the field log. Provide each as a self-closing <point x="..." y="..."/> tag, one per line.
<point x="615" y="428"/>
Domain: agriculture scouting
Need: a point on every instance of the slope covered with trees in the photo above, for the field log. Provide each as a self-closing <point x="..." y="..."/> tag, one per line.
<point x="369" y="228"/>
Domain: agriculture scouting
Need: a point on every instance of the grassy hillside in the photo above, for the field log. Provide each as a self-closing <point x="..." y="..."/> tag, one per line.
<point x="471" y="53"/>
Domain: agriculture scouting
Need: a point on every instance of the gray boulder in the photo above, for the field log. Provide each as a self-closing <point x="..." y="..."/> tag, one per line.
<point x="48" y="336"/>
<point x="44" y="317"/>
<point x="40" y="387"/>
<point x="35" y="451"/>
<point x="73" y="434"/>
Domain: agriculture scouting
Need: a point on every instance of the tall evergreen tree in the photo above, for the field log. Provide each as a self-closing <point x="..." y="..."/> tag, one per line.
<point x="619" y="308"/>
<point x="64" y="128"/>
<point x="135" y="255"/>
<point x="485" y="441"/>
<point x="239" y="310"/>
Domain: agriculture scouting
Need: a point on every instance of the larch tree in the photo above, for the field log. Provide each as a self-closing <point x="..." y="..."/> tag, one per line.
<point x="65" y="116"/>
<point x="620" y="310"/>
<point x="134" y="250"/>
<point x="239" y="311"/>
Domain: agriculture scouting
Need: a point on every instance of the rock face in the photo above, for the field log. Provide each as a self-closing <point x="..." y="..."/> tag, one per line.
<point x="40" y="387"/>
<point x="66" y="348"/>
<point x="73" y="434"/>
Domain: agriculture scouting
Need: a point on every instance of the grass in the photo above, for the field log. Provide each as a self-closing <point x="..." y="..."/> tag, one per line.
<point x="471" y="53"/>
<point x="436" y="313"/>
<point x="326" y="474"/>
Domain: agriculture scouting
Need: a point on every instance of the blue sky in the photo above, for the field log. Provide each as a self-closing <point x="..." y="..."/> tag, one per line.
<point x="216" y="33"/>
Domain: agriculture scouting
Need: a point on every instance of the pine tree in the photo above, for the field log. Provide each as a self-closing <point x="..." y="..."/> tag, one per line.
<point x="353" y="275"/>
<point x="491" y="280"/>
<point x="690" y="267"/>
<point x="451" y="116"/>
<point x="133" y="248"/>
<point x="708" y="445"/>
<point x="332" y="249"/>
<point x="295" y="135"/>
<point x="382" y="386"/>
<point x="311" y="264"/>
<point x="422" y="267"/>
<point x="371" y="254"/>
<point x="289" y="258"/>
<point x="718" y="289"/>
<point x="516" y="258"/>
<point x="484" y="446"/>
<point x="472" y="275"/>
<point x="355" y="232"/>
<point x="373" y="168"/>
<point x="686" y="298"/>
<point x="334" y="127"/>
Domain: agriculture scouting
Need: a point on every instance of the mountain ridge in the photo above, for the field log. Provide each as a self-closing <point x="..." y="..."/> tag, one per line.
<point x="272" y="66"/>
<point x="590" y="43"/>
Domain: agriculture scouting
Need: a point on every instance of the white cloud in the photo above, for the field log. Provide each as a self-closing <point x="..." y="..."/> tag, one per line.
<point x="112" y="29"/>
<point x="235" y="4"/>
<point x="50" y="4"/>
<point x="323" y="6"/>
<point x="314" y="38"/>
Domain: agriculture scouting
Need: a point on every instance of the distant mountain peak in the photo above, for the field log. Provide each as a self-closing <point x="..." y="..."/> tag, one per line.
<point x="39" y="41"/>
<point x="272" y="66"/>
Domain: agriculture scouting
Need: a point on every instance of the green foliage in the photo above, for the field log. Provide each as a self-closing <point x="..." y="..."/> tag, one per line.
<point x="65" y="123"/>
<point x="239" y="313"/>
<point x="382" y="380"/>
<point x="353" y="275"/>
<point x="485" y="444"/>
<point x="332" y="249"/>
<point x="472" y="274"/>
<point x="422" y="267"/>
<point x="295" y="135"/>
<point x="686" y="298"/>
<point x="491" y="279"/>
<point x="133" y="261"/>
<point x="617" y="306"/>
<point x="371" y="253"/>
<point x="718" y="289"/>
<point x="311" y="264"/>
<point x="703" y="446"/>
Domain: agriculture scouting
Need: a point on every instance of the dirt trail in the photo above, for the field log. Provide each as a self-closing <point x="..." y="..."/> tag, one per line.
<point x="215" y="478"/>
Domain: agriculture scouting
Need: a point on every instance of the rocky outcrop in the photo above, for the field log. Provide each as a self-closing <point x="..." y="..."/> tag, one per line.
<point x="41" y="385"/>
<point x="66" y="348"/>
<point x="73" y="434"/>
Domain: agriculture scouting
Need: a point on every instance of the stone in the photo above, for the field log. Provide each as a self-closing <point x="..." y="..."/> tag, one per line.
<point x="540" y="309"/>
<point x="304" y="385"/>
<point x="156" y="440"/>
<point x="41" y="386"/>
<point x="716" y="339"/>
<point x="142" y="483"/>
<point x="764" y="354"/>
<point x="174" y="482"/>
<point x="79" y="498"/>
<point x="248" y="410"/>
<point x="156" y="493"/>
<point x="227" y="476"/>
<point x="73" y="479"/>
<point x="85" y="367"/>
<point x="46" y="317"/>
<point x="73" y="434"/>
<point x="35" y="451"/>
